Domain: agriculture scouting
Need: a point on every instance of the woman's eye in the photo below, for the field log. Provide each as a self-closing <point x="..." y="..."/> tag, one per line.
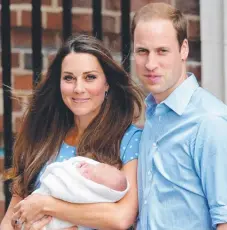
<point x="68" y="78"/>
<point x="91" y="77"/>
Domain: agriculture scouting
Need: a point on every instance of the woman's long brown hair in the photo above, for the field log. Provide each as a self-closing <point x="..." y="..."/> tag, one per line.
<point x="47" y="119"/>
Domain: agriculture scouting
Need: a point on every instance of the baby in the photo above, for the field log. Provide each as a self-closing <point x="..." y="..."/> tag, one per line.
<point x="81" y="180"/>
<point x="104" y="174"/>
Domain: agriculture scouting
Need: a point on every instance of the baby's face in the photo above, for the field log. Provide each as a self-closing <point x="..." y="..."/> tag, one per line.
<point x="104" y="174"/>
<point x="98" y="173"/>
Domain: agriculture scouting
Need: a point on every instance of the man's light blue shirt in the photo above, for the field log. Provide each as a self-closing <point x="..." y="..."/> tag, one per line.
<point x="182" y="170"/>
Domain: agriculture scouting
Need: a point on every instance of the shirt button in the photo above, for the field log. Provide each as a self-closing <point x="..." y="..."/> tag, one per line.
<point x="149" y="173"/>
<point x="145" y="202"/>
<point x="154" y="145"/>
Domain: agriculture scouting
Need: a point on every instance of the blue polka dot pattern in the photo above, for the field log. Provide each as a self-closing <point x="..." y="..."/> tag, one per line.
<point x="129" y="148"/>
<point x="130" y="144"/>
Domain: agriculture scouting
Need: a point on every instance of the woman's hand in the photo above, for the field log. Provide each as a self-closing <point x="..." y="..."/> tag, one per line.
<point x="37" y="225"/>
<point x="29" y="210"/>
<point x="17" y="224"/>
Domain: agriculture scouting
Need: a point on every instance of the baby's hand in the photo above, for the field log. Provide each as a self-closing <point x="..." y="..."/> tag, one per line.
<point x="81" y="164"/>
<point x="86" y="169"/>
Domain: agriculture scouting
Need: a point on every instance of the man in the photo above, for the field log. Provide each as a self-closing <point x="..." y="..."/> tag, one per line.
<point x="182" y="173"/>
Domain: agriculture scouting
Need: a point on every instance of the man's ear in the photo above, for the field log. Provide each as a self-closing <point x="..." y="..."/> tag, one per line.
<point x="184" y="50"/>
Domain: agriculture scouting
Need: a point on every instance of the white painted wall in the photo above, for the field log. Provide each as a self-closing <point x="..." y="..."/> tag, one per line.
<point x="213" y="20"/>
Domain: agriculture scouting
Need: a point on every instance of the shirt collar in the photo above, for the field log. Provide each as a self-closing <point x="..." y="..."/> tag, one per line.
<point x="150" y="101"/>
<point x="180" y="97"/>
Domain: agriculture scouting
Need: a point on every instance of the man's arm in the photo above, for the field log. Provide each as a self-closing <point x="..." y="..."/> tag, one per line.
<point x="211" y="164"/>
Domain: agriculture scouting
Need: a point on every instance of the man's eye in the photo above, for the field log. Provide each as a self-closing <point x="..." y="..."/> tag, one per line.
<point x="91" y="77"/>
<point x="141" y="51"/>
<point x="68" y="78"/>
<point x="162" y="51"/>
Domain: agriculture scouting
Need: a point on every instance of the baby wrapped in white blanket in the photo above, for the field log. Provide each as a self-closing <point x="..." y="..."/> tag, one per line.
<point x="81" y="180"/>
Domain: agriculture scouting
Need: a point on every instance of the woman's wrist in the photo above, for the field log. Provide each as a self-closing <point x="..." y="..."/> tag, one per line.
<point x="49" y="202"/>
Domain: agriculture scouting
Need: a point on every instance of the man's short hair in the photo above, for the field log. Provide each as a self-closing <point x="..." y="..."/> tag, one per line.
<point x="162" y="11"/>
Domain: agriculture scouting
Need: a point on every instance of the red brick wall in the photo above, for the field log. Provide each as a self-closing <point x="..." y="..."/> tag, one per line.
<point x="82" y="22"/>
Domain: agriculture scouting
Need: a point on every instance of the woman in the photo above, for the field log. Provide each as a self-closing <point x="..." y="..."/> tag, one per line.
<point x="86" y="104"/>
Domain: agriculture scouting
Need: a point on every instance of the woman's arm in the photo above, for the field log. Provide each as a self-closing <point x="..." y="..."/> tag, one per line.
<point x="6" y="222"/>
<point x="120" y="215"/>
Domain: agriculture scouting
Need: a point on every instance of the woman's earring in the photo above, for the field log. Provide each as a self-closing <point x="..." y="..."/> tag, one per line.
<point x="106" y="94"/>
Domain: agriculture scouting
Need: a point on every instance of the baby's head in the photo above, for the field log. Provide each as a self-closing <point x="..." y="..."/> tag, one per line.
<point x="104" y="174"/>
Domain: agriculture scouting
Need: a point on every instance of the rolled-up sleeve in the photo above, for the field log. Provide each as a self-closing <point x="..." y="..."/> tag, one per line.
<point x="211" y="159"/>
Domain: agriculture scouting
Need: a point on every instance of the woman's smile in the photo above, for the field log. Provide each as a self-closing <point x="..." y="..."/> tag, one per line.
<point x="80" y="100"/>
